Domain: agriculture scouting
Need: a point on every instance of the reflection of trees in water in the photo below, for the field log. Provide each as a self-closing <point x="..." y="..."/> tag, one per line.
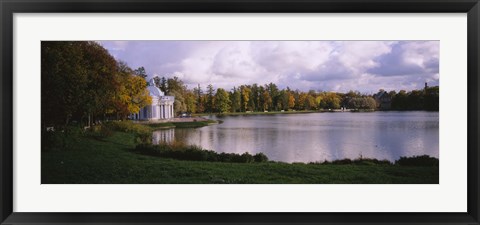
<point x="317" y="136"/>
<point x="163" y="136"/>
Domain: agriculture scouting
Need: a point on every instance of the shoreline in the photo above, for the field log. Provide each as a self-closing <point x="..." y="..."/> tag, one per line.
<point x="198" y="115"/>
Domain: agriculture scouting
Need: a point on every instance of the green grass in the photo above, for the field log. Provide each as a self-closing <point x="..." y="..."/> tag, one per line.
<point x="193" y="124"/>
<point x="112" y="160"/>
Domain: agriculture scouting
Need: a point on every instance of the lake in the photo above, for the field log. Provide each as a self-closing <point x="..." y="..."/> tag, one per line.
<point x="312" y="137"/>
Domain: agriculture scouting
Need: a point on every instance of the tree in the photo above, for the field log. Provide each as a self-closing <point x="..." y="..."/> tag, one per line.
<point x="235" y="100"/>
<point x="253" y="100"/>
<point x="176" y="88"/>
<point x="432" y="98"/>
<point x="210" y="104"/>
<point x="82" y="82"/>
<point x="273" y="91"/>
<point x="63" y="81"/>
<point x="245" y="94"/>
<point x="140" y="71"/>
<point x="190" y="102"/>
<point x="310" y="103"/>
<point x="267" y="100"/>
<point x="222" y="101"/>
<point x="291" y="100"/>
<point x="139" y="96"/>
<point x="362" y="103"/>
<point x="302" y="101"/>
<point x="200" y="107"/>
<point x="132" y="93"/>
<point x="330" y="100"/>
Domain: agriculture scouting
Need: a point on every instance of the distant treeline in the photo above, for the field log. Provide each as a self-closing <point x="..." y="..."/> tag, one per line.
<point x="268" y="97"/>
<point x="82" y="82"/>
<point x="425" y="99"/>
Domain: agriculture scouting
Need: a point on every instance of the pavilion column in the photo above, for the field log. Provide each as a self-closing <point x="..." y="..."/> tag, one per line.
<point x="166" y="112"/>
<point x="169" y="113"/>
<point x="171" y="110"/>
<point x="163" y="112"/>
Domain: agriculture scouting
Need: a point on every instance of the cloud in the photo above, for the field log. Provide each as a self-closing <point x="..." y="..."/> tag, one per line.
<point x="409" y="58"/>
<point x="319" y="65"/>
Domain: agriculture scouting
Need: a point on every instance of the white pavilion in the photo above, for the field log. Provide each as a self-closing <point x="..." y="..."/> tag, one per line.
<point x="161" y="107"/>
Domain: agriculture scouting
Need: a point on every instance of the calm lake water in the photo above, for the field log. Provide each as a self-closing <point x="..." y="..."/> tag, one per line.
<point x="317" y="136"/>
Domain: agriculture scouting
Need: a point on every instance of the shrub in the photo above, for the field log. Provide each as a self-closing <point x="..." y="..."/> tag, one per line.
<point x="128" y="126"/>
<point x="367" y="161"/>
<point x="143" y="134"/>
<point x="423" y="160"/>
<point x="99" y="130"/>
<point x="260" y="157"/>
<point x="177" y="150"/>
<point x="246" y="158"/>
<point x="60" y="138"/>
<point x="342" y="162"/>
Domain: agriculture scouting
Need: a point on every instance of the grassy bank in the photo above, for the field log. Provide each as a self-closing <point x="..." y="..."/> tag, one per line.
<point x="113" y="159"/>
<point x="190" y="124"/>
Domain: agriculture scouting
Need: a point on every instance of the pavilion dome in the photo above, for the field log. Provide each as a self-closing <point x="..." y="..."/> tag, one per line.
<point x="153" y="90"/>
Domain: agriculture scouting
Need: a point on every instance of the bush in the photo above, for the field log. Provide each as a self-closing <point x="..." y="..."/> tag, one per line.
<point x="423" y="160"/>
<point x="358" y="161"/>
<point x="99" y="130"/>
<point x="260" y="157"/>
<point x="60" y="138"/>
<point x="128" y="126"/>
<point x="143" y="134"/>
<point x="342" y="162"/>
<point x="177" y="150"/>
<point x="367" y="161"/>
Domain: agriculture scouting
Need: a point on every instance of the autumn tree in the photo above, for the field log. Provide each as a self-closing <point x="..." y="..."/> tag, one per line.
<point x="131" y="95"/>
<point x="245" y="97"/>
<point x="267" y="100"/>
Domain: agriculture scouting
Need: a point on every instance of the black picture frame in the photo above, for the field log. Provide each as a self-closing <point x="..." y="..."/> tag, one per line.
<point x="9" y="7"/>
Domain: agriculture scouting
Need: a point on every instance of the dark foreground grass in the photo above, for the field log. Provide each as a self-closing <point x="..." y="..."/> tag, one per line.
<point x="112" y="160"/>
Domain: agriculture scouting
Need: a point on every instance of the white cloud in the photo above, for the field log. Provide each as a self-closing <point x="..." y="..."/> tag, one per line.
<point x="319" y="65"/>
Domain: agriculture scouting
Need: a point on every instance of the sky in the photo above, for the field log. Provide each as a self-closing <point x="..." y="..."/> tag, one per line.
<point x="340" y="66"/>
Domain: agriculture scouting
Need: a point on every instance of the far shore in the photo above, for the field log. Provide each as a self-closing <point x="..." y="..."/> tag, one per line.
<point x="176" y="120"/>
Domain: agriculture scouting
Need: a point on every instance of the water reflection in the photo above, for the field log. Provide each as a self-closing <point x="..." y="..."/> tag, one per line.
<point x="163" y="136"/>
<point x="318" y="136"/>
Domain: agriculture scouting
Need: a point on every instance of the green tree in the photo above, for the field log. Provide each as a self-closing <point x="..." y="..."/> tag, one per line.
<point x="81" y="81"/>
<point x="200" y="103"/>
<point x="222" y="101"/>
<point x="176" y="88"/>
<point x="235" y="97"/>
<point x="210" y="103"/>
<point x="140" y="71"/>
<point x="274" y="93"/>
<point x="190" y="102"/>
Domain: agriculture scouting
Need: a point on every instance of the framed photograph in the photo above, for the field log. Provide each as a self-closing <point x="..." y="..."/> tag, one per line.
<point x="263" y="112"/>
